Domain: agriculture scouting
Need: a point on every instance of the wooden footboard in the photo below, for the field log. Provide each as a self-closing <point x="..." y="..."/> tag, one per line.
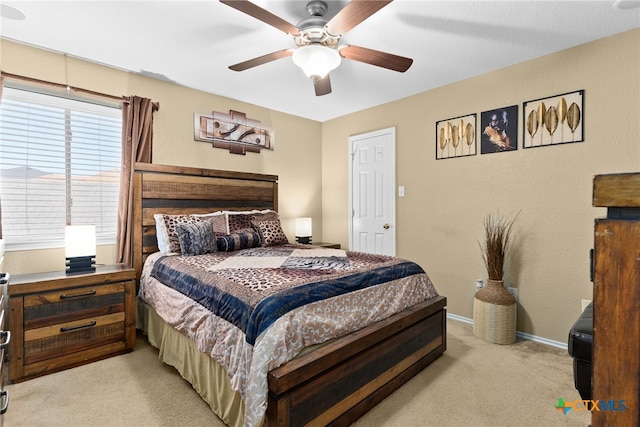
<point x="338" y="383"/>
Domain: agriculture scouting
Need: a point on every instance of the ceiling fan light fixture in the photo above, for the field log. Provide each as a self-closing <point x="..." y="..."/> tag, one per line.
<point x="316" y="60"/>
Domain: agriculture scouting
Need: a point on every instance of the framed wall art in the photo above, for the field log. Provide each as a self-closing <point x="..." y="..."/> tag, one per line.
<point x="232" y="131"/>
<point x="456" y="137"/>
<point x="499" y="130"/>
<point x="554" y="120"/>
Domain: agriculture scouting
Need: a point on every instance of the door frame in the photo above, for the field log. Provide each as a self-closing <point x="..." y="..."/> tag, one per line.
<point x="351" y="154"/>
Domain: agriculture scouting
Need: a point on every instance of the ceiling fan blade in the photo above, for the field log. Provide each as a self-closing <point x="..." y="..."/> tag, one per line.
<point x="263" y="15"/>
<point x="322" y="86"/>
<point x="352" y="14"/>
<point x="377" y="58"/>
<point x="261" y="60"/>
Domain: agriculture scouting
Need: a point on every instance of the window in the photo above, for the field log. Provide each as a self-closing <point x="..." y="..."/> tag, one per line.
<point x="59" y="165"/>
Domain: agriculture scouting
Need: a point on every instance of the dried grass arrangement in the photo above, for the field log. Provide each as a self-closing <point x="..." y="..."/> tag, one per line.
<point x="494" y="308"/>
<point x="497" y="231"/>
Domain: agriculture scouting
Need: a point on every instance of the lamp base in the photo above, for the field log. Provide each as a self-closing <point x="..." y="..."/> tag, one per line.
<point x="303" y="240"/>
<point x="80" y="264"/>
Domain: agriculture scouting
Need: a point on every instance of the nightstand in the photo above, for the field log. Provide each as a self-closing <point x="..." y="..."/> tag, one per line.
<point x="327" y="245"/>
<point x="58" y="321"/>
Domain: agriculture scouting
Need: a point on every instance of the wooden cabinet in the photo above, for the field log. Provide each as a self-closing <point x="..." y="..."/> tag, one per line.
<point x="58" y="321"/>
<point x="616" y="302"/>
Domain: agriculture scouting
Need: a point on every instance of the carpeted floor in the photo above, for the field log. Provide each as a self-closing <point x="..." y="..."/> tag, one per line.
<point x="473" y="384"/>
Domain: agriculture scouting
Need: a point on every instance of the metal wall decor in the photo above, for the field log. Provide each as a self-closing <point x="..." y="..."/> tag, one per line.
<point x="232" y="131"/>
<point x="456" y="137"/>
<point x="554" y="120"/>
<point x="499" y="130"/>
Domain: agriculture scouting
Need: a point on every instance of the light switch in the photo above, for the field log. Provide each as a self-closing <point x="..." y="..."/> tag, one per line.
<point x="401" y="191"/>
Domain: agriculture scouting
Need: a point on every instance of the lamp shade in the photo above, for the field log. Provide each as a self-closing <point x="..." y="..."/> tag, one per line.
<point x="303" y="227"/>
<point x="316" y="60"/>
<point x="80" y="240"/>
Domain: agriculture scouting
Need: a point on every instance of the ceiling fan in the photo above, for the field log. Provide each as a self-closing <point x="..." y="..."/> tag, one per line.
<point x="317" y="39"/>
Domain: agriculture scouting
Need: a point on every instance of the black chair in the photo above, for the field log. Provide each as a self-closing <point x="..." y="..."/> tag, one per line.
<point x="581" y="349"/>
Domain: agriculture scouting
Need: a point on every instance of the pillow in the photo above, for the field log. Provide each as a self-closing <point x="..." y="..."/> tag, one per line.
<point x="161" y="233"/>
<point x="196" y="238"/>
<point x="239" y="221"/>
<point x="267" y="215"/>
<point x="170" y="223"/>
<point x="167" y="234"/>
<point x="218" y="221"/>
<point x="271" y="233"/>
<point x="237" y="241"/>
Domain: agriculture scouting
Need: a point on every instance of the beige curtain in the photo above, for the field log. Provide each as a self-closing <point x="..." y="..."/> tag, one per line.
<point x="137" y="143"/>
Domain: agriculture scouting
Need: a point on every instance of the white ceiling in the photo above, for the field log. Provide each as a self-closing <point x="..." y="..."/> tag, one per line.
<point x="193" y="42"/>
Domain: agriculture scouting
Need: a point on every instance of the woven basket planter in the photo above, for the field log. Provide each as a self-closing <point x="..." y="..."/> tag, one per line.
<point x="494" y="314"/>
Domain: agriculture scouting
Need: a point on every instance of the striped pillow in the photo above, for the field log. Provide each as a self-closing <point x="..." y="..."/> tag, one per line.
<point x="237" y="241"/>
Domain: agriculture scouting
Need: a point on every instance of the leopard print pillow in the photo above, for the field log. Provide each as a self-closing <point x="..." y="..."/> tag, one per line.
<point x="170" y="223"/>
<point x="270" y="231"/>
<point x="239" y="222"/>
<point x="167" y="234"/>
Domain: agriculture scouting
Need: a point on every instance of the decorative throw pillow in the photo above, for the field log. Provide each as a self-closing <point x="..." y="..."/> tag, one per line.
<point x="218" y="221"/>
<point x="237" y="241"/>
<point x="267" y="215"/>
<point x="239" y="222"/>
<point x="196" y="238"/>
<point x="271" y="233"/>
<point x="170" y="223"/>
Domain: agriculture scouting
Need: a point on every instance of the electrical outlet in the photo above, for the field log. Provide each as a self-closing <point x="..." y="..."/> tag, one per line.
<point x="585" y="303"/>
<point x="514" y="292"/>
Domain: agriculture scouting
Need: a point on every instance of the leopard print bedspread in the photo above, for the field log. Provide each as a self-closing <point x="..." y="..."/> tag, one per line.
<point x="247" y="362"/>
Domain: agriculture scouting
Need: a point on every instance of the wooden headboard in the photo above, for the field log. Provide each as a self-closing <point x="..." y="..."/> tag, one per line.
<point x="179" y="190"/>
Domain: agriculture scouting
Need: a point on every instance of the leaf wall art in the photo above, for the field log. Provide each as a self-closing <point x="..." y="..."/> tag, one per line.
<point x="456" y="137"/>
<point x="554" y="120"/>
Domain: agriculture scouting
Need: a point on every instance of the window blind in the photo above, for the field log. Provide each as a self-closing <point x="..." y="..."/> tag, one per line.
<point x="59" y="165"/>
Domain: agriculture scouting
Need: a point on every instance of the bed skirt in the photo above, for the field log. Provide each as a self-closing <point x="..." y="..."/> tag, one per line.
<point x="206" y="376"/>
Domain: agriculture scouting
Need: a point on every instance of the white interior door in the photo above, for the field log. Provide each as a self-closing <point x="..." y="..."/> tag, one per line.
<point x="372" y="192"/>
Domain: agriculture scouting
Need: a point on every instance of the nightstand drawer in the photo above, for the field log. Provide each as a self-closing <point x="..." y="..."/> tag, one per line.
<point x="69" y="337"/>
<point x="72" y="304"/>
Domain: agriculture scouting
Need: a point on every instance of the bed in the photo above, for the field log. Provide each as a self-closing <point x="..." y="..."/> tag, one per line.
<point x="331" y="382"/>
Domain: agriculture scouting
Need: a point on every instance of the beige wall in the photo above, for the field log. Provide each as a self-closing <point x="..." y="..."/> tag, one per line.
<point x="297" y="141"/>
<point x="439" y="221"/>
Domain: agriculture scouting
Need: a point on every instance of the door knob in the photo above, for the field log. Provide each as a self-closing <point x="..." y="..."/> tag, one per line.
<point x="386" y="226"/>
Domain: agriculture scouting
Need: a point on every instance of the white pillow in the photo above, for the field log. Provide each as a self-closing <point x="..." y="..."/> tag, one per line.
<point x="161" y="233"/>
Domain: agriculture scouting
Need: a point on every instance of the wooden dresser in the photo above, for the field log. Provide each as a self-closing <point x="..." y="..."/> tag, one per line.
<point x="59" y="321"/>
<point x="616" y="301"/>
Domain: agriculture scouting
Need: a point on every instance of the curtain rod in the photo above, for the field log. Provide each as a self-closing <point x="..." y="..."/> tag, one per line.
<point x="155" y="105"/>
